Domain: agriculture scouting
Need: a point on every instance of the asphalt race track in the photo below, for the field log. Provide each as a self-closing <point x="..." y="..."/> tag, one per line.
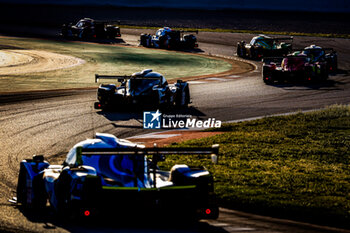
<point x="50" y="123"/>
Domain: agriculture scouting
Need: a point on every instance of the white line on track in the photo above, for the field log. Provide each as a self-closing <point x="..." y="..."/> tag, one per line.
<point x="155" y="135"/>
<point x="196" y="82"/>
<point x="217" y="79"/>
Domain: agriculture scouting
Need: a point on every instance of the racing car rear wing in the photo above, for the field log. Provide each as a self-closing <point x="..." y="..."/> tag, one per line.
<point x="269" y="60"/>
<point x="155" y="151"/>
<point x="325" y="49"/>
<point x="121" y="78"/>
<point x="277" y="38"/>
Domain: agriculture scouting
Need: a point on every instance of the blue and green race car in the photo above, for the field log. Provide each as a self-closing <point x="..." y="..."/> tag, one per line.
<point x="107" y="175"/>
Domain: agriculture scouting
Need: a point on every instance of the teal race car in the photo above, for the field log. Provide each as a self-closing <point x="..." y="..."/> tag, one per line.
<point x="264" y="46"/>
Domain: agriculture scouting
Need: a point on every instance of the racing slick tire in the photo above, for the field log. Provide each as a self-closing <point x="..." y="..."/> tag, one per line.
<point x="332" y="65"/>
<point x="145" y="40"/>
<point x="252" y="54"/>
<point x="62" y="190"/>
<point x="112" y="32"/>
<point x="86" y="34"/>
<point x="64" y="31"/>
<point x="324" y="74"/>
<point x="183" y="98"/>
<point x="241" y="50"/>
<point x="335" y="65"/>
<point x="24" y="190"/>
<point x="163" y="43"/>
<point x="190" y="41"/>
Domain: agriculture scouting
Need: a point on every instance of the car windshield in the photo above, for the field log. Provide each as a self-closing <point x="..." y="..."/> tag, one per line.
<point x="266" y="43"/>
<point x="83" y="23"/>
<point x="80" y="24"/>
<point x="140" y="85"/>
<point x="160" y="32"/>
<point x="252" y="42"/>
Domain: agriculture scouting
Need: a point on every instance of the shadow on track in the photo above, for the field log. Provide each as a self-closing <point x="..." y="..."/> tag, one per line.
<point x="329" y="85"/>
<point x="195" y="50"/>
<point x="130" y="222"/>
<point x="96" y="41"/>
<point x="48" y="33"/>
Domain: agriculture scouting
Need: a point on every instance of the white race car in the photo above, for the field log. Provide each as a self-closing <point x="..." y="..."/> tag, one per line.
<point x="168" y="38"/>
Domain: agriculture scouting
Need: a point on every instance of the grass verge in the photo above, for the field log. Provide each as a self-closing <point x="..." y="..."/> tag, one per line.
<point x="293" y="166"/>
<point x="103" y="59"/>
<point x="327" y="35"/>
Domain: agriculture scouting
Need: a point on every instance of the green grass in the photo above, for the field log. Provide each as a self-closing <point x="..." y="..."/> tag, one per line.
<point x="328" y="35"/>
<point x="289" y="166"/>
<point x="104" y="59"/>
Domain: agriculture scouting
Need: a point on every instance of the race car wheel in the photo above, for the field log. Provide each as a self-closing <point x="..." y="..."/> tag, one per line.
<point x="333" y="65"/>
<point x="240" y="50"/>
<point x="324" y="74"/>
<point x="187" y="97"/>
<point x="86" y="34"/>
<point x="22" y="189"/>
<point x="62" y="190"/>
<point x="166" y="105"/>
<point x="252" y="54"/>
<point x="35" y="194"/>
<point x="64" y="31"/>
<point x="145" y="40"/>
<point x="163" y="42"/>
<point x="112" y="32"/>
<point x="189" y="41"/>
<point x="40" y="196"/>
<point x="183" y="97"/>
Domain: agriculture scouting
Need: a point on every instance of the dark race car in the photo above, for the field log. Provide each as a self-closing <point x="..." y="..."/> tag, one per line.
<point x="319" y="54"/>
<point x="107" y="176"/>
<point x="87" y="29"/>
<point x="140" y="90"/>
<point x="293" y="68"/>
<point x="264" y="46"/>
<point x="167" y="38"/>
